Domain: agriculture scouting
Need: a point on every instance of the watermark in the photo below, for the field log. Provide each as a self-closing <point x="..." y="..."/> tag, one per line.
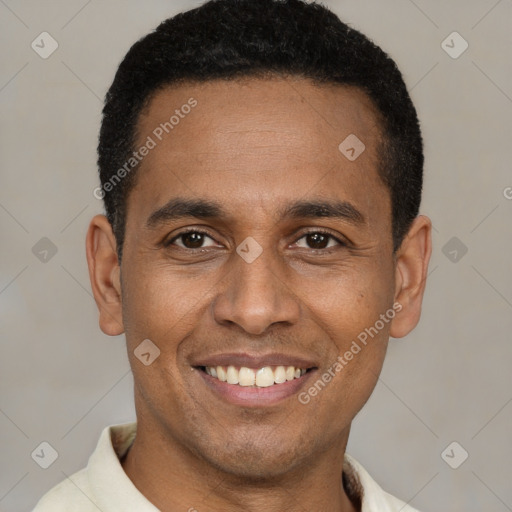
<point x="44" y="250"/>
<point x="249" y="249"/>
<point x="151" y="142"/>
<point x="352" y="147"/>
<point x="454" y="455"/>
<point x="44" y="45"/>
<point x="146" y="352"/>
<point x="507" y="193"/>
<point x="454" y="249"/>
<point x="355" y="348"/>
<point x="44" y="455"/>
<point x="454" y="45"/>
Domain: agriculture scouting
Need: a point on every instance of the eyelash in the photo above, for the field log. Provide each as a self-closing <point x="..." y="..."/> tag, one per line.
<point x="314" y="231"/>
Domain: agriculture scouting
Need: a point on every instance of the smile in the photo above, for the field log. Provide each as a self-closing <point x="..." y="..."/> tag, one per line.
<point x="254" y="380"/>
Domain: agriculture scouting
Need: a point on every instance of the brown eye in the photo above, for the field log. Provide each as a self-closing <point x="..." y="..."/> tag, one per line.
<point x="319" y="240"/>
<point x="190" y="240"/>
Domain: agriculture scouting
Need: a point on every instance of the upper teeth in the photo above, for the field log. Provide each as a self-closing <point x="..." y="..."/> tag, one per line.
<point x="264" y="377"/>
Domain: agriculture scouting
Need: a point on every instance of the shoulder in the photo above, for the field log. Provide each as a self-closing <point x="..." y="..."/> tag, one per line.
<point x="396" y="505"/>
<point x="70" y="495"/>
<point x="371" y="495"/>
<point x="98" y="483"/>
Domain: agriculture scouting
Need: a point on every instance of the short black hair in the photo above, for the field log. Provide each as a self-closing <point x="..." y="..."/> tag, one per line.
<point x="229" y="39"/>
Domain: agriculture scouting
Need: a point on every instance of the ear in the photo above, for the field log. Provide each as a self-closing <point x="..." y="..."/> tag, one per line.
<point x="411" y="266"/>
<point x="104" y="273"/>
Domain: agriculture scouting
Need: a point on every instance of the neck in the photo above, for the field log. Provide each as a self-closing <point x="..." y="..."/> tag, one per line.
<point x="173" y="478"/>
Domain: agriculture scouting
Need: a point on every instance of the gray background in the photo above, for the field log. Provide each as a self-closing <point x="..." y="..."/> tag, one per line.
<point x="62" y="380"/>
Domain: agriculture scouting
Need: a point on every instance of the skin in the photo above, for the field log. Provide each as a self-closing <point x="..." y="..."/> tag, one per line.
<point x="254" y="145"/>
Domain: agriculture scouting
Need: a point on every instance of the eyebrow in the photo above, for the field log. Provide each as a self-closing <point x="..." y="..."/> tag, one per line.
<point x="179" y="208"/>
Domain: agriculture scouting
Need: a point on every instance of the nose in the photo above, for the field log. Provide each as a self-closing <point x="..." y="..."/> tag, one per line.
<point x="256" y="295"/>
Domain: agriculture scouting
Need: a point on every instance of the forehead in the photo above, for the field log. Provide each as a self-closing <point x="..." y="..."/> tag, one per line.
<point x="250" y="107"/>
<point x="259" y="140"/>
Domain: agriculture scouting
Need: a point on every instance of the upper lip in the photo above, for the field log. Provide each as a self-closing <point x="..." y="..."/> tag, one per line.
<point x="255" y="361"/>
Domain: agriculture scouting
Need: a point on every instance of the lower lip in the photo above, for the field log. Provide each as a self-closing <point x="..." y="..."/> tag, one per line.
<point x="255" y="396"/>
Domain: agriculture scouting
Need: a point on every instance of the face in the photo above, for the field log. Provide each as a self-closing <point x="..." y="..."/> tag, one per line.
<point x="253" y="241"/>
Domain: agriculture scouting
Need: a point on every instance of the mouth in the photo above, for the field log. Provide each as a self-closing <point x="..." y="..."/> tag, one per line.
<point x="254" y="381"/>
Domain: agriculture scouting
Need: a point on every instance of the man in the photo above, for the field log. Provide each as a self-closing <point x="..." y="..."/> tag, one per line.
<point x="261" y="167"/>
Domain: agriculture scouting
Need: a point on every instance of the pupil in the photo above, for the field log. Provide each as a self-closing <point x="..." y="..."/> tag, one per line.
<point x="193" y="239"/>
<point x="318" y="240"/>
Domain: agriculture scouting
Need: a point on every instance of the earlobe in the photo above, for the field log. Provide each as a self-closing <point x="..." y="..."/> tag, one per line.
<point x="104" y="274"/>
<point x="410" y="275"/>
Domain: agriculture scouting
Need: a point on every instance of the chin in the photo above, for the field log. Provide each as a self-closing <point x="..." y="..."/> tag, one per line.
<point x="251" y="460"/>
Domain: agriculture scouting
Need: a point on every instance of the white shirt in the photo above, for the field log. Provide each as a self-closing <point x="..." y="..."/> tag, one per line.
<point x="103" y="486"/>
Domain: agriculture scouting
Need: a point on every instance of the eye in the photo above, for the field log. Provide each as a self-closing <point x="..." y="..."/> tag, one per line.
<point x="193" y="239"/>
<point x="320" y="240"/>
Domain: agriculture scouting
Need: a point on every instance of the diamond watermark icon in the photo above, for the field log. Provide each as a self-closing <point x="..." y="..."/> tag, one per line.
<point x="249" y="249"/>
<point x="44" y="250"/>
<point x="454" y="249"/>
<point x="454" y="455"/>
<point x="454" y="45"/>
<point x="44" y="45"/>
<point x="44" y="455"/>
<point x="146" y="352"/>
<point x="352" y="147"/>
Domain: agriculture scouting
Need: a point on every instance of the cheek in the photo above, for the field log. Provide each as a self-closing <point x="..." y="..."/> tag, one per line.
<point x="350" y="315"/>
<point x="164" y="307"/>
<point x="352" y="301"/>
<point x="159" y="307"/>
<point x="160" y="304"/>
<point x="355" y="312"/>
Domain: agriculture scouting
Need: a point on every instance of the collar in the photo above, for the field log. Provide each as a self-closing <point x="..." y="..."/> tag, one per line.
<point x="115" y="491"/>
